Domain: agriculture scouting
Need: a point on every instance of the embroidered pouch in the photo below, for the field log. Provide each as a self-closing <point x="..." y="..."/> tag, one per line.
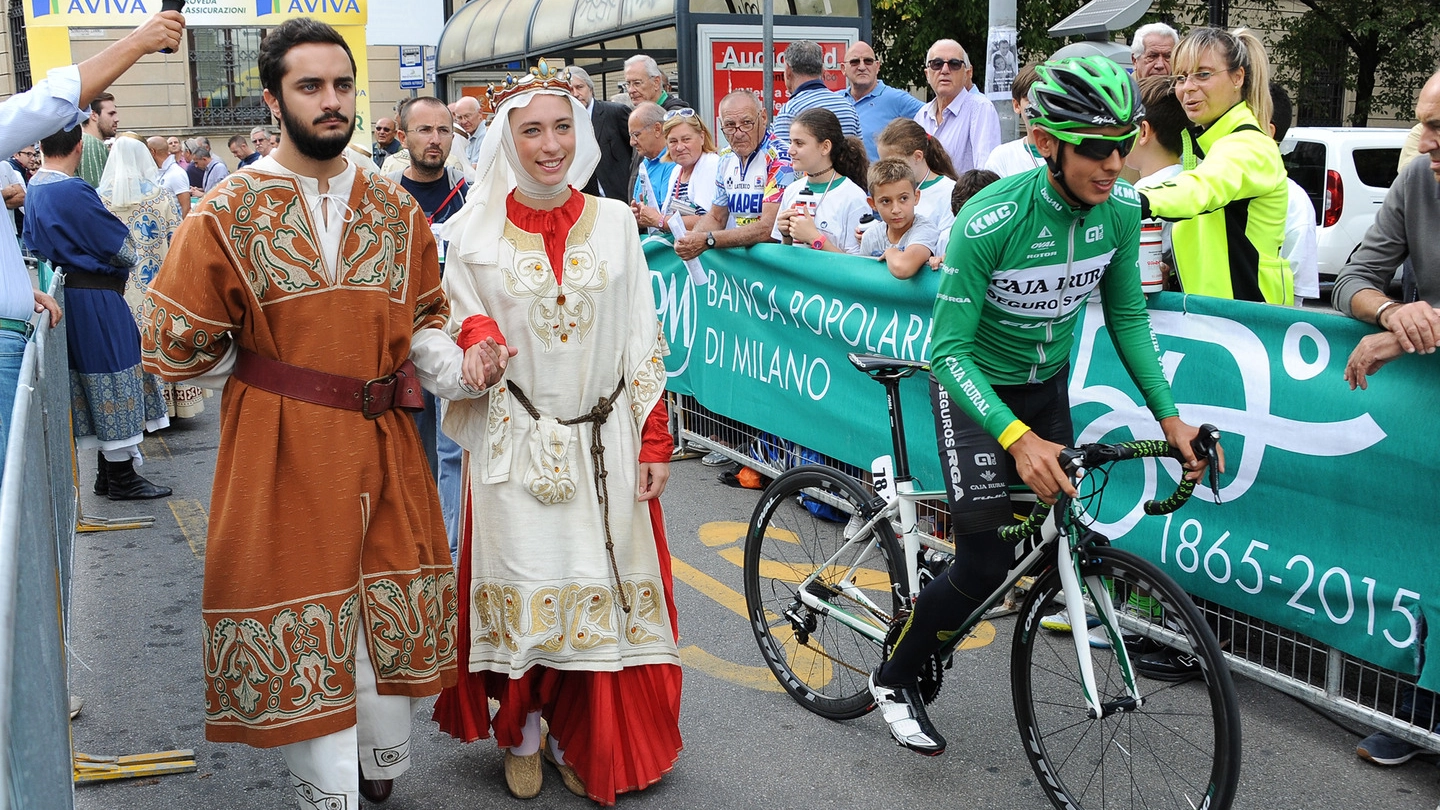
<point x="551" y="474"/>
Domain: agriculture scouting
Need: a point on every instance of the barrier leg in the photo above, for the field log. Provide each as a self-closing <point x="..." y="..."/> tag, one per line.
<point x="90" y="768"/>
<point x="91" y="523"/>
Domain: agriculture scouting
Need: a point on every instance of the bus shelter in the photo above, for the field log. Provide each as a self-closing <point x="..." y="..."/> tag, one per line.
<point x="706" y="47"/>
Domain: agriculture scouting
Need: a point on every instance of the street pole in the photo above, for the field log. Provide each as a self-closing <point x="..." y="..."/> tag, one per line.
<point x="1002" y="42"/>
<point x="767" y="36"/>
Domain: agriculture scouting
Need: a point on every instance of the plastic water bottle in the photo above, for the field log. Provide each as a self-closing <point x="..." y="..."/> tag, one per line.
<point x="1152" y="262"/>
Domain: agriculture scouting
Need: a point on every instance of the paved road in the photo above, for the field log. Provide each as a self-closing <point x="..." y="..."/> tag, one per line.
<point x="136" y="661"/>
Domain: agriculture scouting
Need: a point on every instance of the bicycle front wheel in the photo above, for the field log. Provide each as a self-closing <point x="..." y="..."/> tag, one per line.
<point x="804" y="533"/>
<point x="1179" y="750"/>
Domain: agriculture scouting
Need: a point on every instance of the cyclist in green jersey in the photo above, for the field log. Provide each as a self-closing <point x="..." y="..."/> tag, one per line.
<point x="1024" y="255"/>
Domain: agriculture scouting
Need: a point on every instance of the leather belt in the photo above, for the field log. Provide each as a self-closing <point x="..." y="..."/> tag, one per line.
<point x="18" y="326"/>
<point x="81" y="280"/>
<point x="370" y="397"/>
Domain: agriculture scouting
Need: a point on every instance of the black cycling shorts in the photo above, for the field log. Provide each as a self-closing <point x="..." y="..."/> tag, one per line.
<point x="978" y="472"/>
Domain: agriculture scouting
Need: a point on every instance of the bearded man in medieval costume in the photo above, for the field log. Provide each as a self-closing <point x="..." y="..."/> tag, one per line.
<point x="311" y="292"/>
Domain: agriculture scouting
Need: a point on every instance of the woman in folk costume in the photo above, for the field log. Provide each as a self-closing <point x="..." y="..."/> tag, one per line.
<point x="567" y="610"/>
<point x="131" y="190"/>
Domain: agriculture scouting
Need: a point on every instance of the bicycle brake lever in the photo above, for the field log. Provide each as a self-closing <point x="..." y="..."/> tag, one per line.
<point x="1207" y="443"/>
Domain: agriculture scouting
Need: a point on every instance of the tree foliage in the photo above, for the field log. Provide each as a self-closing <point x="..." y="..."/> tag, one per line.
<point x="905" y="30"/>
<point x="1386" y="50"/>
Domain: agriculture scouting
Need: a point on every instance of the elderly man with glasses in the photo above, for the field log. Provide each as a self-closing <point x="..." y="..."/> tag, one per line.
<point x="965" y="123"/>
<point x="754" y="171"/>
<point x="262" y="140"/>
<point x="876" y="103"/>
<point x="1153" y="49"/>
<point x="645" y="82"/>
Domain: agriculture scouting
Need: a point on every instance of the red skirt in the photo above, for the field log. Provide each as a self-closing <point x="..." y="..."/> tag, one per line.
<point x="620" y="731"/>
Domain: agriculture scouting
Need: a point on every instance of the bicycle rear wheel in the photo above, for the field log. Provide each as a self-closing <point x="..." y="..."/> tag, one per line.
<point x="821" y="661"/>
<point x="1178" y="751"/>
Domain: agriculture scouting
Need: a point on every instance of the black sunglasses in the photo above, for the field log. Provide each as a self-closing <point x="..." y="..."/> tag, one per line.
<point x="1100" y="148"/>
<point x="955" y="64"/>
<point x="857" y="60"/>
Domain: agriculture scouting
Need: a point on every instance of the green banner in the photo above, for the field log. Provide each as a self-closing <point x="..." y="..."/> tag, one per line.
<point x="1312" y="532"/>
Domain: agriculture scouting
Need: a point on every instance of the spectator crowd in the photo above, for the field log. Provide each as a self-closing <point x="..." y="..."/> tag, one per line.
<point x="868" y="170"/>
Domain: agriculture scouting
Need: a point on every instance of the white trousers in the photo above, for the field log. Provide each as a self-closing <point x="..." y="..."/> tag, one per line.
<point x="325" y="771"/>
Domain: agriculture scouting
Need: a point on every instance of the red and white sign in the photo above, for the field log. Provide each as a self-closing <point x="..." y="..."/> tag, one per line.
<point x="739" y="65"/>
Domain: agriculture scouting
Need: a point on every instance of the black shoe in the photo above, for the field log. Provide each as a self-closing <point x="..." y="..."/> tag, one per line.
<point x="102" y="474"/>
<point x="128" y="485"/>
<point x="904" y="711"/>
<point x="1169" y="665"/>
<point x="376" y="790"/>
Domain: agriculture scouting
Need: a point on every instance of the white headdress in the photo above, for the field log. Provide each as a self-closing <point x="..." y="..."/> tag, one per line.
<point x="473" y="231"/>
<point x="130" y="173"/>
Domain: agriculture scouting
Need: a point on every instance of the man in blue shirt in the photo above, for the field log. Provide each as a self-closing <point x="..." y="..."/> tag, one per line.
<point x="440" y="191"/>
<point x="804" y="65"/>
<point x="647" y="135"/>
<point x="876" y="103"/>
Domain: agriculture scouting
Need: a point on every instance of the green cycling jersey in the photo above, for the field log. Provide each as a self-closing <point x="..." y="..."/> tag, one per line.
<point x="1020" y="266"/>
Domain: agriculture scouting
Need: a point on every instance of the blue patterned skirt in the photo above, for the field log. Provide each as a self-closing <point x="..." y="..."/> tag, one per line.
<point x="111" y="397"/>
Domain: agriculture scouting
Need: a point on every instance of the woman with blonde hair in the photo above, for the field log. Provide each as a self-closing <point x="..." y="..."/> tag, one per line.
<point x="689" y="145"/>
<point x="1229" y="210"/>
<point x="131" y="190"/>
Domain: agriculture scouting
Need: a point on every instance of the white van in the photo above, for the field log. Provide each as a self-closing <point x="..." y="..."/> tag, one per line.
<point x="1346" y="172"/>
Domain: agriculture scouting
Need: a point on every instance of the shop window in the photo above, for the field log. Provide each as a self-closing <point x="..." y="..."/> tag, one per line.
<point x="19" y="47"/>
<point x="225" y="77"/>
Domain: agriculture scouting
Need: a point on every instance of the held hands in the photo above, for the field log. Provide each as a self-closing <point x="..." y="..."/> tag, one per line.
<point x="647" y="216"/>
<point x="1038" y="462"/>
<point x="164" y="30"/>
<point x="1370" y="354"/>
<point x="485" y="363"/>
<point x="1181" y="436"/>
<point x="44" y="303"/>
<point x="802" y="227"/>
<point x="689" y="246"/>
<point x="1416" y="325"/>
<point x="652" y="479"/>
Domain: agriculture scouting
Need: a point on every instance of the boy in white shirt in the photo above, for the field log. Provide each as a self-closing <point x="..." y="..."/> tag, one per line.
<point x="903" y="241"/>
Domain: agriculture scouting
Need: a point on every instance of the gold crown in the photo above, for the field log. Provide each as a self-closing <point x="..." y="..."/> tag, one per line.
<point x="540" y="77"/>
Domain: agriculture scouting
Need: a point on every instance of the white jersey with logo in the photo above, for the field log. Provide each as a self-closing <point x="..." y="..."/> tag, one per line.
<point x="836" y="208"/>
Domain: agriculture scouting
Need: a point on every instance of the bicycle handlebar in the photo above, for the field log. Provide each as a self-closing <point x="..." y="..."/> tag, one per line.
<point x="1090" y="456"/>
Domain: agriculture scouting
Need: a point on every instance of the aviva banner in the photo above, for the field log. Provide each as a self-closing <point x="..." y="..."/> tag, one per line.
<point x="1315" y="530"/>
<point x="130" y="13"/>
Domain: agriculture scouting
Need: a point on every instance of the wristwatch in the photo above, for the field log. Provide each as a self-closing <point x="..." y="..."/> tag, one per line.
<point x="819" y="244"/>
<point x="710" y="239"/>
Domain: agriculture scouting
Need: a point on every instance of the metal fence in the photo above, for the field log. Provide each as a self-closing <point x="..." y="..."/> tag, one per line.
<point x="1322" y="676"/>
<point x="37" y="518"/>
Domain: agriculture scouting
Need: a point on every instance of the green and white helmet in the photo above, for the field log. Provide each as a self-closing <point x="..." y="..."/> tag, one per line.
<point x="1083" y="91"/>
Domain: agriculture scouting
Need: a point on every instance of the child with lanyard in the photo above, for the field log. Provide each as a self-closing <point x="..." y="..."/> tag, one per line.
<point x="822" y="209"/>
<point x="907" y="140"/>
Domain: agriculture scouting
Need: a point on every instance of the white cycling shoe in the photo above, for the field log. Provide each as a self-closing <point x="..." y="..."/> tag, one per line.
<point x="904" y="712"/>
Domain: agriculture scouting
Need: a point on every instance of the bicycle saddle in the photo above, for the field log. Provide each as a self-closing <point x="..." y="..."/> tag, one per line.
<point x="880" y="364"/>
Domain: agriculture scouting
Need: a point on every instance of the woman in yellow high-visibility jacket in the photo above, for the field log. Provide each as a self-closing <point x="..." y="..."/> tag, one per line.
<point x="1229" y="211"/>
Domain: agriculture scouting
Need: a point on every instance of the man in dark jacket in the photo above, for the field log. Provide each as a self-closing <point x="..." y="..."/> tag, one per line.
<point x="609" y="120"/>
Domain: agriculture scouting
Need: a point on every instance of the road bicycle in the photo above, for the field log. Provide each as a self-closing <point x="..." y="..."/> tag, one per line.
<point x="832" y="567"/>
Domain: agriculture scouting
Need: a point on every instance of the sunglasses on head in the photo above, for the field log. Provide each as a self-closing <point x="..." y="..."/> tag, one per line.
<point x="954" y="64"/>
<point x="683" y="112"/>
<point x="1099" y="147"/>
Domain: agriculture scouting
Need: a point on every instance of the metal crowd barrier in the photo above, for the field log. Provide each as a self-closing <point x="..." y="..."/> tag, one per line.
<point x="1320" y="675"/>
<point x="37" y="518"/>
